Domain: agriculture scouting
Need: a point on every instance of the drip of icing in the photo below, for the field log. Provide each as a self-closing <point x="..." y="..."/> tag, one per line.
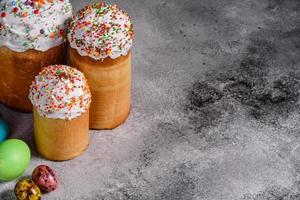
<point x="60" y="92"/>
<point x="100" y="31"/>
<point x="33" y="24"/>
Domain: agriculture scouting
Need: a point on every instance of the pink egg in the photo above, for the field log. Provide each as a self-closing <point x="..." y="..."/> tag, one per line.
<point x="45" y="178"/>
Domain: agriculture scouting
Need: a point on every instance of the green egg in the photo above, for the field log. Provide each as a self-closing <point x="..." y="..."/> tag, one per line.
<point x="14" y="159"/>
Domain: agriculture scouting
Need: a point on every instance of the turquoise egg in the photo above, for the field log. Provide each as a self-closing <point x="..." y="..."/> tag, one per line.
<point x="3" y="130"/>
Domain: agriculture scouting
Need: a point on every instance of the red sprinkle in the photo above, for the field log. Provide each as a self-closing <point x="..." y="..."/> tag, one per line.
<point x="16" y="9"/>
<point x="62" y="32"/>
<point x="3" y="14"/>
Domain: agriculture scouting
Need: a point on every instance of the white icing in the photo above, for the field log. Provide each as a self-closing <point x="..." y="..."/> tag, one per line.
<point x="64" y="96"/>
<point x="40" y="31"/>
<point x="94" y="35"/>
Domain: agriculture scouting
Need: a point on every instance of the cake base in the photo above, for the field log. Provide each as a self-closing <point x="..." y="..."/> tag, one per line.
<point x="17" y="71"/>
<point x="110" y="85"/>
<point x="59" y="140"/>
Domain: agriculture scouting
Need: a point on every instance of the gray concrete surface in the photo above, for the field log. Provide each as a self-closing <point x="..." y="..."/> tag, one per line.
<point x="215" y="108"/>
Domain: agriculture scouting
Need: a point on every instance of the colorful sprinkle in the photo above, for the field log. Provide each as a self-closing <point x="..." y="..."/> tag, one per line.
<point x="60" y="92"/>
<point x="15" y="10"/>
<point x="101" y="31"/>
<point x="50" y="15"/>
<point x="62" y="32"/>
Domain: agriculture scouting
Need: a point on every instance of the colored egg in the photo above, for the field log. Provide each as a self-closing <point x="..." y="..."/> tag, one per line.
<point x="3" y="130"/>
<point x="45" y="178"/>
<point x="14" y="159"/>
<point x="26" y="189"/>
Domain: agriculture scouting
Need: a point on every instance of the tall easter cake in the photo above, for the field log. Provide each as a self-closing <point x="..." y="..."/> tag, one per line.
<point x="100" y="38"/>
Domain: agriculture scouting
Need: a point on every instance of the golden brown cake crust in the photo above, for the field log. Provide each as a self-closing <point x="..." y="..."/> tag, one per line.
<point x="110" y="85"/>
<point x="58" y="139"/>
<point x="17" y="71"/>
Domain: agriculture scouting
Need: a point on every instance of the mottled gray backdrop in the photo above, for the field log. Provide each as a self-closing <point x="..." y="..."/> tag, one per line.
<point x="215" y="111"/>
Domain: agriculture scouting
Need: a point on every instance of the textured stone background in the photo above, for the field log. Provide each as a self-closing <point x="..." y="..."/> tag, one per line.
<point x="215" y="108"/>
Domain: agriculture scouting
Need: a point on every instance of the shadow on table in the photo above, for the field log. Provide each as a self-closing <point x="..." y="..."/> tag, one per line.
<point x="20" y="126"/>
<point x="7" y="195"/>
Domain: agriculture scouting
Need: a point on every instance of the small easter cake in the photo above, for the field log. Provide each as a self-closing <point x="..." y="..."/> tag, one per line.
<point x="61" y="99"/>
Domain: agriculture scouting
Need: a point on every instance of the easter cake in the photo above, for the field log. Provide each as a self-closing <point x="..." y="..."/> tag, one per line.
<point x="61" y="99"/>
<point x="100" y="38"/>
